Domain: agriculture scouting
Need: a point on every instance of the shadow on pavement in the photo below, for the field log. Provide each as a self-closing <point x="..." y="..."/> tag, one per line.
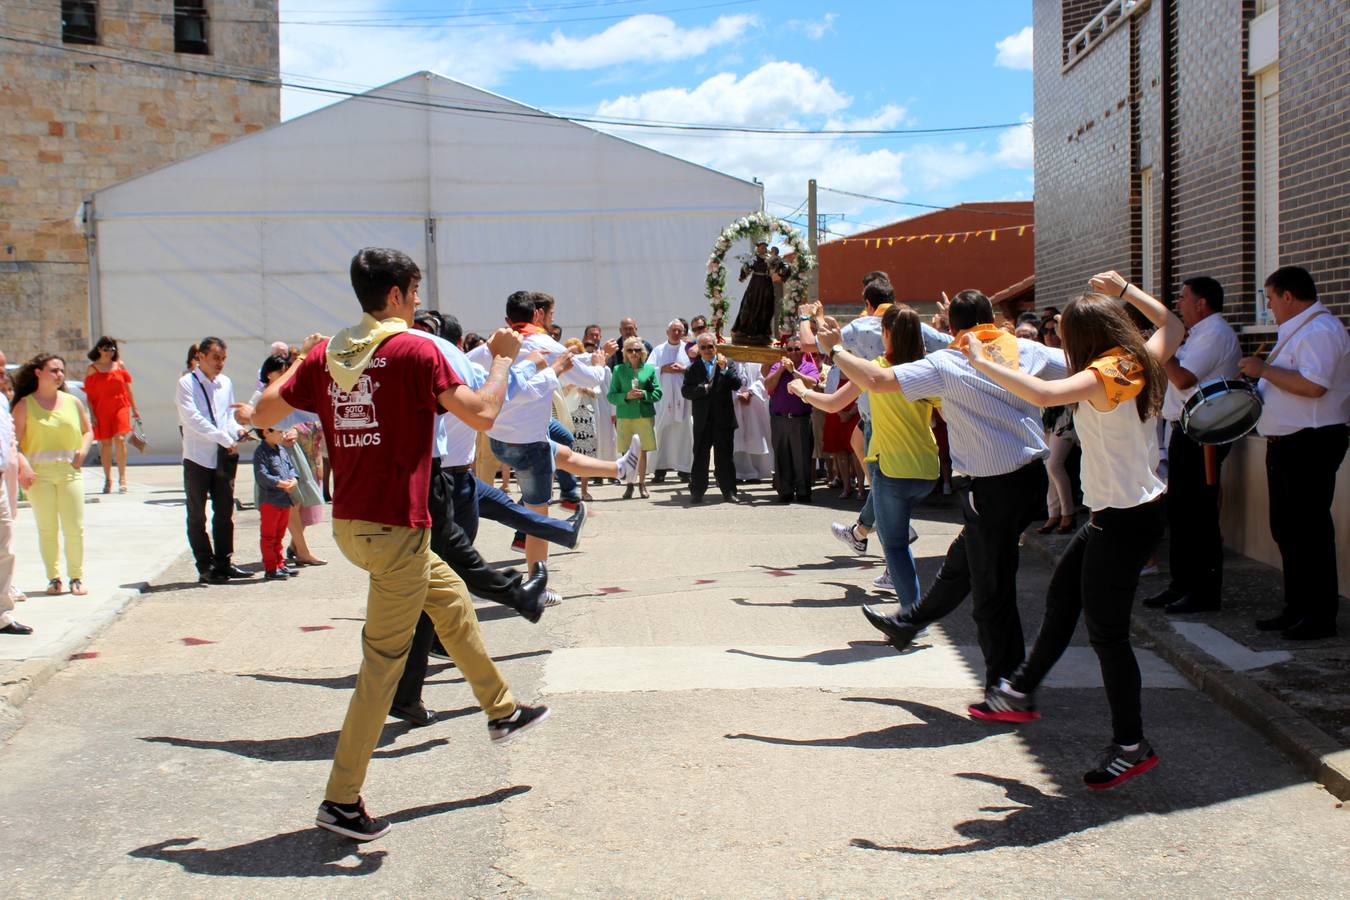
<point x="146" y="587"/>
<point x="936" y="728"/>
<point x="348" y="682"/>
<point x="854" y="595"/>
<point x="309" y="853"/>
<point x="313" y="747"/>
<point x="857" y="651"/>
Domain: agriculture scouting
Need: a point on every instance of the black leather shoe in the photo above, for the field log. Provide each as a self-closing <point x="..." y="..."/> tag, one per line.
<point x="1277" y="623"/>
<point x="531" y="594"/>
<point x="232" y="571"/>
<point x="899" y="634"/>
<point x="736" y="497"/>
<point x="578" y="521"/>
<point x="1309" y="630"/>
<point x="1189" y="604"/>
<point x="417" y="716"/>
<point x="698" y="499"/>
<point x="803" y="498"/>
<point x="16" y="628"/>
<point x="276" y="575"/>
<point x="212" y="578"/>
<point x="1166" y="598"/>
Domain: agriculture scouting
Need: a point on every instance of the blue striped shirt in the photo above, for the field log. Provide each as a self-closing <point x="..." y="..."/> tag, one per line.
<point x="990" y="431"/>
<point x="862" y="338"/>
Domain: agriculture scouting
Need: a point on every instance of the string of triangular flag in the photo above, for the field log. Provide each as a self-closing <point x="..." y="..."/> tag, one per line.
<point x="946" y="238"/>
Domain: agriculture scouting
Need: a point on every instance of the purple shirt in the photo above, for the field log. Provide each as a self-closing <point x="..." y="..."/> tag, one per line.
<point x="782" y="403"/>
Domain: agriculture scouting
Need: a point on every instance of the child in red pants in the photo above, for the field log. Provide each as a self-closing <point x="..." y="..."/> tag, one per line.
<point x="275" y="476"/>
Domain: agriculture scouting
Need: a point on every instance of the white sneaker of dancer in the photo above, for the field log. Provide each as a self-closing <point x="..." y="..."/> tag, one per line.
<point x="883" y="582"/>
<point x="628" y="463"/>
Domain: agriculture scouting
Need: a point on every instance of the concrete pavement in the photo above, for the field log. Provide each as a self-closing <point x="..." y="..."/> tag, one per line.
<point x="725" y="723"/>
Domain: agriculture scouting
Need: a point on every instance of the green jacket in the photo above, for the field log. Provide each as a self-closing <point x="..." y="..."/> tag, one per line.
<point x="620" y="385"/>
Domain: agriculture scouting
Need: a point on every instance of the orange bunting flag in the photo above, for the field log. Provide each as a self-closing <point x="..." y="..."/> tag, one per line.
<point x="1021" y="231"/>
<point x="890" y="241"/>
<point x="993" y="235"/>
<point x="951" y="239"/>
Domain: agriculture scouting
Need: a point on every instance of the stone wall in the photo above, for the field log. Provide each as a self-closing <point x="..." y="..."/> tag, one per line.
<point x="76" y="118"/>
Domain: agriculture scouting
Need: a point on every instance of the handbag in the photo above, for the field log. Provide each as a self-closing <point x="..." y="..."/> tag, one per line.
<point x="137" y="436"/>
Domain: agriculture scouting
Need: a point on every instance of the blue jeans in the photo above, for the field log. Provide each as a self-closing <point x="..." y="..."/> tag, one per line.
<point x="568" y="486"/>
<point x="494" y="504"/>
<point x="896" y="499"/>
<point x="868" y="517"/>
<point x="533" y="464"/>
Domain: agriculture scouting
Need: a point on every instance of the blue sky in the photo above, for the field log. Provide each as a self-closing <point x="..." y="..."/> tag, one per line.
<point x="853" y="64"/>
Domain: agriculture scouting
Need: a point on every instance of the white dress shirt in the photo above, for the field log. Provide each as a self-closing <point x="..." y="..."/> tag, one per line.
<point x="1210" y="351"/>
<point x="1320" y="352"/>
<point x="991" y="430"/>
<point x="524" y="417"/>
<point x="205" y="416"/>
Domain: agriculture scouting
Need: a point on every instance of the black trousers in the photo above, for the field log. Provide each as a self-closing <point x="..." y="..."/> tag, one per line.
<point x="1301" y="477"/>
<point x="1195" y="548"/>
<point x="199" y="483"/>
<point x="719" y="442"/>
<point x="792" y="442"/>
<point x="1096" y="578"/>
<point x="982" y="562"/>
<point x="452" y="502"/>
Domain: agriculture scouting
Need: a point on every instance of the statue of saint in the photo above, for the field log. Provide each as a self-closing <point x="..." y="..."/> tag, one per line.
<point x="759" y="304"/>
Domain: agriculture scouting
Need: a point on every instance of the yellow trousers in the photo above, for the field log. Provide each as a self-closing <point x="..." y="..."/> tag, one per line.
<point x="405" y="579"/>
<point x="58" y="505"/>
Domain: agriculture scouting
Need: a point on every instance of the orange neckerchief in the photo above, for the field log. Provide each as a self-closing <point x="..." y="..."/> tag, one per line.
<point x="526" y="328"/>
<point x="1120" y="374"/>
<point x="880" y="310"/>
<point x="999" y="346"/>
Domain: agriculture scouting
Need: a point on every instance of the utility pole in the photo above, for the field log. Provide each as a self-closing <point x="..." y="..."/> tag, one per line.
<point x="813" y="286"/>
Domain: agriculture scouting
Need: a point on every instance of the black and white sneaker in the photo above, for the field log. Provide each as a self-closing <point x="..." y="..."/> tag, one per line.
<point x="502" y="730"/>
<point x="1119" y="765"/>
<point x="350" y="821"/>
<point x="848" y="537"/>
<point x="628" y="463"/>
<point x="1001" y="704"/>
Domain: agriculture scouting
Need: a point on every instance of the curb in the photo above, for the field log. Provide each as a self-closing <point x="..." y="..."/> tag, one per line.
<point x="1308" y="747"/>
<point x="20" y="683"/>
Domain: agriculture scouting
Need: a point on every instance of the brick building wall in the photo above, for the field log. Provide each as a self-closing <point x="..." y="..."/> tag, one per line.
<point x="1102" y="121"/>
<point x="76" y="118"/>
<point x="1315" y="144"/>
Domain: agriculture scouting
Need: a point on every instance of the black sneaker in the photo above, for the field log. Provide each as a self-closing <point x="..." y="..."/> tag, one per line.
<point x="275" y="575"/>
<point x="502" y="730"/>
<point x="1119" y="765"/>
<point x="1002" y="705"/>
<point x="350" y="820"/>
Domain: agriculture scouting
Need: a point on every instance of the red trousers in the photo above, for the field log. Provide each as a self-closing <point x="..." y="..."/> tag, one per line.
<point x="273" y="529"/>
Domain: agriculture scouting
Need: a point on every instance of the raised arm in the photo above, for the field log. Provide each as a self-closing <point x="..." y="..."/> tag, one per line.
<point x="866" y="374"/>
<point x="1036" y="391"/>
<point x="271" y="409"/>
<point x="1165" y="341"/>
<point x="830" y="403"/>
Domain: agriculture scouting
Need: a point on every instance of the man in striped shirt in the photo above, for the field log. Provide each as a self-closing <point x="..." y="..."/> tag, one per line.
<point x="997" y="440"/>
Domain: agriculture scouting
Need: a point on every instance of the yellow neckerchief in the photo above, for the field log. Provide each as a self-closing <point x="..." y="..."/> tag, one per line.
<point x="349" y="351"/>
<point x="999" y="346"/>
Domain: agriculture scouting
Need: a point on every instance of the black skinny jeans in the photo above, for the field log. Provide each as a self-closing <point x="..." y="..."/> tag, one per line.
<point x="1096" y="577"/>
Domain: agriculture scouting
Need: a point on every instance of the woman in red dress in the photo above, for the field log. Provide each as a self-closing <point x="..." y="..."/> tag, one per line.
<point x="107" y="384"/>
<point x="837" y="445"/>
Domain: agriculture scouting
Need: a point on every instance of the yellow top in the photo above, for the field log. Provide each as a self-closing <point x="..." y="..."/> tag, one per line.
<point x="55" y="435"/>
<point x="902" y="443"/>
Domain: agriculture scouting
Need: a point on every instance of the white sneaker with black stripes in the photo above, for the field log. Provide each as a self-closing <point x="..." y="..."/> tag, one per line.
<point x="351" y="821"/>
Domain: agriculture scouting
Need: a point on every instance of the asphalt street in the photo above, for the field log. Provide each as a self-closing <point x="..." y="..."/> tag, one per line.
<point x="725" y="723"/>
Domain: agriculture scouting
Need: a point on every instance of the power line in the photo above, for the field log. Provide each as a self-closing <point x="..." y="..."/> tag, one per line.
<point x="527" y="113"/>
<point x="964" y="208"/>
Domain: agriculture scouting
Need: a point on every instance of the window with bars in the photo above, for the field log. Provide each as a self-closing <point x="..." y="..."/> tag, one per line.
<point x="190" y="21"/>
<point x="79" y="21"/>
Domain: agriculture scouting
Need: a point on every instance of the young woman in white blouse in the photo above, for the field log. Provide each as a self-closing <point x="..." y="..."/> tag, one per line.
<point x="1117" y="380"/>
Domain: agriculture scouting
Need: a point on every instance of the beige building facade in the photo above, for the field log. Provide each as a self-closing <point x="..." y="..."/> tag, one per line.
<point x="93" y="92"/>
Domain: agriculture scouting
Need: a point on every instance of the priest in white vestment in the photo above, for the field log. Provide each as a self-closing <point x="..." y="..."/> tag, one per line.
<point x="674" y="415"/>
<point x="752" y="451"/>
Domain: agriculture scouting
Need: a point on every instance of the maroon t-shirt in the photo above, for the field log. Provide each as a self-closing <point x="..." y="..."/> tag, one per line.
<point x="379" y="433"/>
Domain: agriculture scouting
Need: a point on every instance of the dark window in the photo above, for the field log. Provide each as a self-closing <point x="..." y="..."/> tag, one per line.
<point x="189" y="27"/>
<point x="79" y="21"/>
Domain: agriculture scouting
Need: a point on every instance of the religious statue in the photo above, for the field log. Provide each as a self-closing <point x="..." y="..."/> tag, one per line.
<point x="759" y="306"/>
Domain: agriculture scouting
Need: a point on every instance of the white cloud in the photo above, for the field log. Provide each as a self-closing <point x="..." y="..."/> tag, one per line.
<point x="1015" y="148"/>
<point x="639" y="38"/>
<point x="1014" y="51"/>
<point x="815" y="29"/>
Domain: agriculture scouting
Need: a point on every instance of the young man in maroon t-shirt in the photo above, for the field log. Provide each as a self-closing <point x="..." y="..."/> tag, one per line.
<point x="377" y="391"/>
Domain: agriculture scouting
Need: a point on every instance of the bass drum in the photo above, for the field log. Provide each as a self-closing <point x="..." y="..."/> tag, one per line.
<point x="1221" y="411"/>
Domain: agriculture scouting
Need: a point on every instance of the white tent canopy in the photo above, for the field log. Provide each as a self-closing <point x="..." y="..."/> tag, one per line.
<point x="251" y="241"/>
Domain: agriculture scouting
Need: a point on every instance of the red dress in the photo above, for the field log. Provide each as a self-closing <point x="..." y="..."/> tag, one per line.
<point x="109" y="396"/>
<point x="839" y="432"/>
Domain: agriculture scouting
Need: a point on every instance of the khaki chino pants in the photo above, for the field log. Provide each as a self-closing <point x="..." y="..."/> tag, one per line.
<point x="405" y="579"/>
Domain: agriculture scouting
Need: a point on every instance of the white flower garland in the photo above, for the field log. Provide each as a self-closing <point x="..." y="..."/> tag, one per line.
<point x="754" y="226"/>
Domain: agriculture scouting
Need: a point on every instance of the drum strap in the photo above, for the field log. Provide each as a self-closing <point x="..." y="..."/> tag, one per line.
<point x="1284" y="343"/>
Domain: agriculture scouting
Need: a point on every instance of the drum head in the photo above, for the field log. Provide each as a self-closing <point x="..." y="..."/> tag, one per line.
<point x="1222" y="418"/>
